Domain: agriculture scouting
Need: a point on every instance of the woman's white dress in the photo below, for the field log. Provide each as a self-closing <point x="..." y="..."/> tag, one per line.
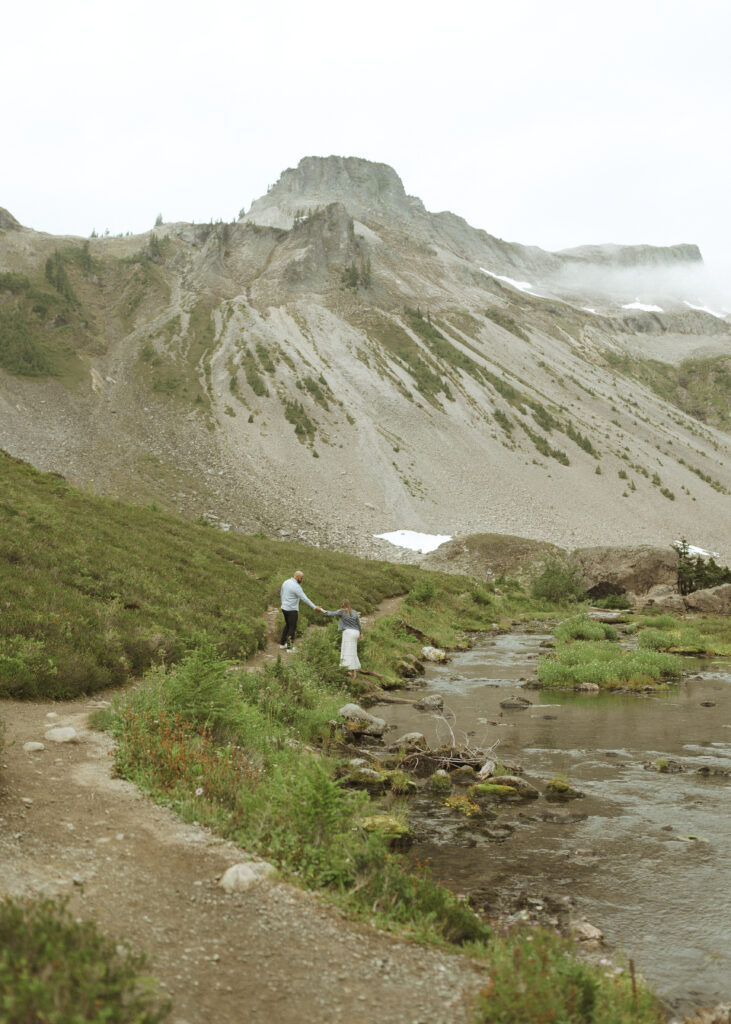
<point x="349" y="649"/>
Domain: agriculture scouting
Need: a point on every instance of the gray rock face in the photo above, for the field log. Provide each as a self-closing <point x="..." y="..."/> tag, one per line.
<point x="366" y="188"/>
<point x="716" y="600"/>
<point x="626" y="570"/>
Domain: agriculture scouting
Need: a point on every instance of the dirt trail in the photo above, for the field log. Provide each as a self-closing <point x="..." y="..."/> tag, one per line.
<point x="272" y="954"/>
<point x="275" y="623"/>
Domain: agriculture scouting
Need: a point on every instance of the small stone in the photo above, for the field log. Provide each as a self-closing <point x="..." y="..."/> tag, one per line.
<point x="243" y="876"/>
<point x="63" y="734"/>
<point x="32" y="746"/>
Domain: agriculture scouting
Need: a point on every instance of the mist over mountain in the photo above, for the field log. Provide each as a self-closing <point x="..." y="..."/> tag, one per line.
<point x="340" y="362"/>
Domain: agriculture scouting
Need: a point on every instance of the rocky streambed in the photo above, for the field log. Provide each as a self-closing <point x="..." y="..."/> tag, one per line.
<point x="622" y="820"/>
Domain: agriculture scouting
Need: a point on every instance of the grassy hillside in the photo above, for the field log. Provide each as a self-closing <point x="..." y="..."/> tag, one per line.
<point x="95" y="591"/>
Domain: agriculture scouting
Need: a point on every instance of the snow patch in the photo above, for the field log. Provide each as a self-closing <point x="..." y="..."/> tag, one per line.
<point x="645" y="306"/>
<point x="421" y="542"/>
<point x="693" y="550"/>
<point x="523" y="286"/>
<point x="704" y="309"/>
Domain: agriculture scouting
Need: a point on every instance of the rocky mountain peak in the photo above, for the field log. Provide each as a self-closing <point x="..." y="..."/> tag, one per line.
<point x="365" y="189"/>
<point x="8" y="221"/>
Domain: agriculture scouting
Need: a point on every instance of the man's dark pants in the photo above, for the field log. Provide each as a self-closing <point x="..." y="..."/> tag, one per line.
<point x="290" y="625"/>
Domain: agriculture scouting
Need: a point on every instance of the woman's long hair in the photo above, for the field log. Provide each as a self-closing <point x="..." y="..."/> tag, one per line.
<point x="346" y="605"/>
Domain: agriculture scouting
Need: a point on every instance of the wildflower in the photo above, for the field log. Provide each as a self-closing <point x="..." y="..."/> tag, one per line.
<point x="199" y="791"/>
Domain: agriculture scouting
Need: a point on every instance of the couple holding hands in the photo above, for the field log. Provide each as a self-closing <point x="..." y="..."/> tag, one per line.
<point x="348" y="621"/>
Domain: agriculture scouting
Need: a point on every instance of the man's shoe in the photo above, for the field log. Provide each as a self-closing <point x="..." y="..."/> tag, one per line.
<point x="291" y="649"/>
<point x="282" y="647"/>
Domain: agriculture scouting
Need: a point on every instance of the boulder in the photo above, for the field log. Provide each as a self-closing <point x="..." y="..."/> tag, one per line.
<point x="720" y="1014"/>
<point x="242" y="876"/>
<point x="410" y="741"/>
<point x="521" y="786"/>
<point x="440" y="782"/>
<point x="434" y="654"/>
<point x="583" y="931"/>
<point x="716" y="600"/>
<point x="487" y="770"/>
<point x="359" y="721"/>
<point x="625" y="570"/>
<point x="516" y="702"/>
<point x="432" y="702"/>
<point x="388" y="825"/>
<point x="663" y="597"/>
<point x="367" y="778"/>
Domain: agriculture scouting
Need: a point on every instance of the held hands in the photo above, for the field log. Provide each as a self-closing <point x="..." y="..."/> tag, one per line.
<point x="319" y="608"/>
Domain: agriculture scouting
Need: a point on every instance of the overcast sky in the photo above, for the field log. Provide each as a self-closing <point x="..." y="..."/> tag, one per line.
<point x="549" y="123"/>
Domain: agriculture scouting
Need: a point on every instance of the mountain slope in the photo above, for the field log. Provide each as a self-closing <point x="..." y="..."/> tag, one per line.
<point x="341" y="362"/>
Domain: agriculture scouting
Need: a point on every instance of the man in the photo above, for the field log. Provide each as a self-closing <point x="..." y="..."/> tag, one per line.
<point x="292" y="594"/>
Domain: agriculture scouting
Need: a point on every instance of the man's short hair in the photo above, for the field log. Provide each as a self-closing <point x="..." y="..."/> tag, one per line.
<point x="298" y="572"/>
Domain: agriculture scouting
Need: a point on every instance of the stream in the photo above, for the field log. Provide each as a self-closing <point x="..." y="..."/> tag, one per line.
<point x="644" y="854"/>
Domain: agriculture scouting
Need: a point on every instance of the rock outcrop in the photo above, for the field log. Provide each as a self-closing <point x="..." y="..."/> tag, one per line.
<point x="8" y="221"/>
<point x="715" y="600"/>
<point x="632" y="571"/>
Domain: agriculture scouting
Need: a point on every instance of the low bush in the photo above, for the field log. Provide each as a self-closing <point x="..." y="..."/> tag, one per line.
<point x="54" y="968"/>
<point x="613" y="601"/>
<point x="559" y="582"/>
<point x="534" y="977"/>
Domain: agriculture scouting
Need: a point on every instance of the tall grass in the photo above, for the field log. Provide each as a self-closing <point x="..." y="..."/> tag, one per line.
<point x="96" y="591"/>
<point x="581" y="627"/>
<point x="606" y="665"/>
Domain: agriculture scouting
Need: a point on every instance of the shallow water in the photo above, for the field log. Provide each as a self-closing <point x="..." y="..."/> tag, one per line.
<point x="631" y="861"/>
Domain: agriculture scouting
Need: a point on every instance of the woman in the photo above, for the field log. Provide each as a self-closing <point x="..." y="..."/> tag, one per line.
<point x="350" y="627"/>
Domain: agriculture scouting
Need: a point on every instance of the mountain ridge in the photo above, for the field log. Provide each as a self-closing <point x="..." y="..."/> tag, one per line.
<point x="371" y="367"/>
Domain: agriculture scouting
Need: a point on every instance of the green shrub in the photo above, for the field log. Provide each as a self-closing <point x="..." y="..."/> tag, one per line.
<point x="534" y="977"/>
<point x="656" y="639"/>
<point x="581" y="627"/>
<point x="54" y="969"/>
<point x="559" y="582"/>
<point x="481" y="596"/>
<point x="613" y="602"/>
<point x="422" y="592"/>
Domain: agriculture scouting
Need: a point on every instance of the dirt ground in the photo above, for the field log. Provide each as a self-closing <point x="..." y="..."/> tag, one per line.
<point x="271" y="954"/>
